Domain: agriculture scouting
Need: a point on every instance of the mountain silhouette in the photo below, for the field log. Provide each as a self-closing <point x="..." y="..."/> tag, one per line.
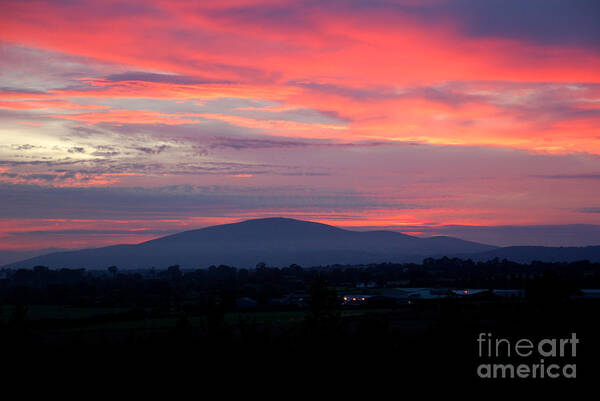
<point x="528" y="254"/>
<point x="275" y="241"/>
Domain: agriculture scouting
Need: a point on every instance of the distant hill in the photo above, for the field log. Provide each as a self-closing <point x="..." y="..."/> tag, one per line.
<point x="527" y="254"/>
<point x="275" y="241"/>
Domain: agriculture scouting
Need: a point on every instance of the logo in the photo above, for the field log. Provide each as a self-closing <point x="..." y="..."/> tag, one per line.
<point x="548" y="358"/>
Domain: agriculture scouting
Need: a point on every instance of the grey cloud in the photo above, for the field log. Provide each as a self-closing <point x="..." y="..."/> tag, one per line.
<point x="588" y="176"/>
<point x="161" y="78"/>
<point x="21" y="115"/>
<point x="46" y="70"/>
<point x="83" y="131"/>
<point x="105" y="153"/>
<point x="444" y="95"/>
<point x="268" y="143"/>
<point x="23" y="91"/>
<point x="345" y="91"/>
<point x="49" y="163"/>
<point x="23" y="147"/>
<point x="66" y="168"/>
<point x="573" y="22"/>
<point x="247" y="143"/>
<point x="43" y="177"/>
<point x="548" y="22"/>
<point x="209" y="128"/>
<point x="447" y="94"/>
<point x="152" y="150"/>
<point x="173" y="201"/>
<point x="53" y="233"/>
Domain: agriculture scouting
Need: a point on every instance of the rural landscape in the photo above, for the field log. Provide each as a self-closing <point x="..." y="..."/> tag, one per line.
<point x="386" y="196"/>
<point x="355" y="313"/>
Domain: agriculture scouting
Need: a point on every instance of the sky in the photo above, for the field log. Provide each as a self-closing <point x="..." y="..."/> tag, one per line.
<point x="125" y="121"/>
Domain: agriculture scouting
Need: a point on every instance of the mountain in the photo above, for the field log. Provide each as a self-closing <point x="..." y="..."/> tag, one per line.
<point x="275" y="241"/>
<point x="527" y="254"/>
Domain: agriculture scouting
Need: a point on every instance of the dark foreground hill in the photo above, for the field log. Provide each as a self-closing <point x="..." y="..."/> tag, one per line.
<point x="275" y="241"/>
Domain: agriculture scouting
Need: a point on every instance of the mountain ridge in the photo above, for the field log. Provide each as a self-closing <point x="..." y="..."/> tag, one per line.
<point x="528" y="254"/>
<point x="282" y="241"/>
<point x="277" y="241"/>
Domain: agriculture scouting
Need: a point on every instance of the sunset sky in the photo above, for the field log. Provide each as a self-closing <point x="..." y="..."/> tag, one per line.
<point x="124" y="121"/>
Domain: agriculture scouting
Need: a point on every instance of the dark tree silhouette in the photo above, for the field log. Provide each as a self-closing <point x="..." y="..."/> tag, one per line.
<point x="174" y="272"/>
<point x="323" y="315"/>
<point x="113" y="270"/>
